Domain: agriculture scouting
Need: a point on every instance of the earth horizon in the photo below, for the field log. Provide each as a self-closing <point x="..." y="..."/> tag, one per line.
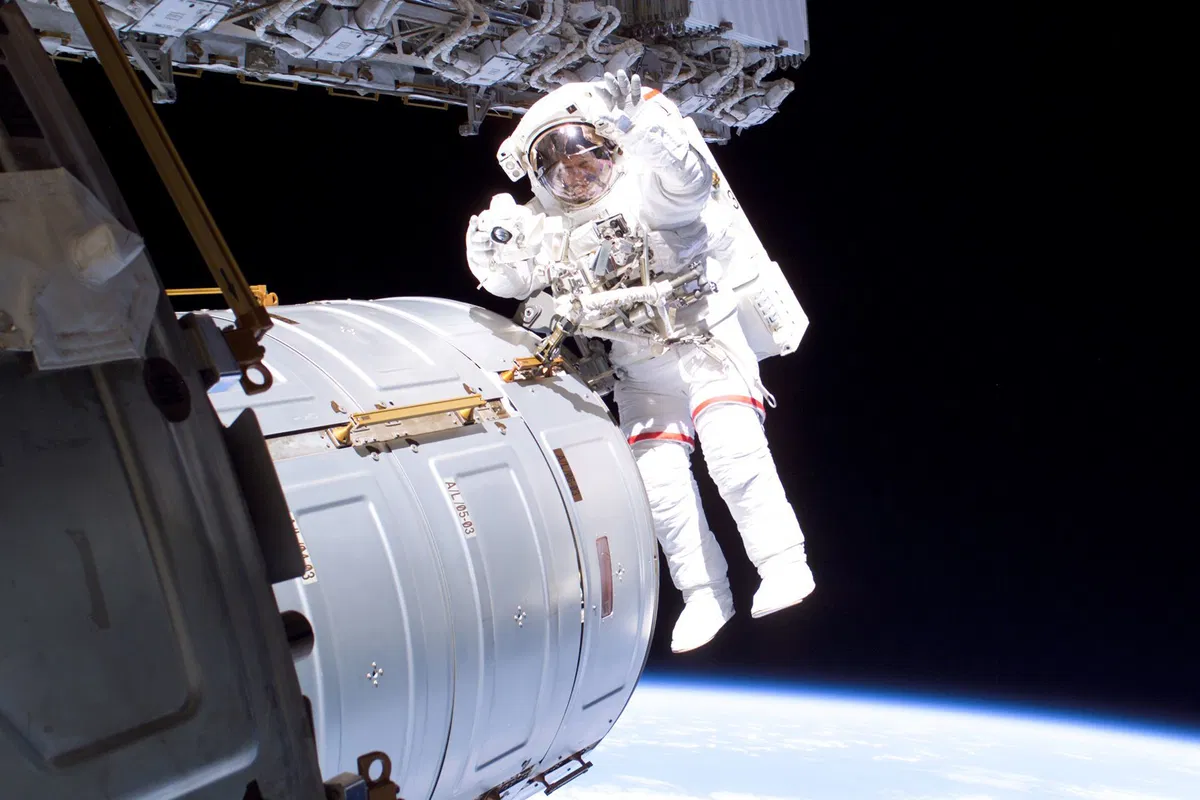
<point x="714" y="740"/>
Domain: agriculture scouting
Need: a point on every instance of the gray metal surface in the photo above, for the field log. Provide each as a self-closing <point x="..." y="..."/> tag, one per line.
<point x="456" y="595"/>
<point x="142" y="654"/>
<point x="495" y="69"/>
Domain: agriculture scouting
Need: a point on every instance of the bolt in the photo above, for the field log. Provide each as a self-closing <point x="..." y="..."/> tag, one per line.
<point x="520" y="617"/>
<point x="373" y="675"/>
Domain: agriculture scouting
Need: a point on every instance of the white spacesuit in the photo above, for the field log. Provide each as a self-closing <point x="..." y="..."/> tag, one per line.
<point x="608" y="156"/>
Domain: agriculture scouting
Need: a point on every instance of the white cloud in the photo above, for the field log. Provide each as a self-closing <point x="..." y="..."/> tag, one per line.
<point x="651" y="783"/>
<point x="813" y="744"/>
<point x="657" y="790"/>
<point x="1107" y="793"/>
<point x="910" y="759"/>
<point x="907" y="796"/>
<point x="990" y="777"/>
<point x="610" y="791"/>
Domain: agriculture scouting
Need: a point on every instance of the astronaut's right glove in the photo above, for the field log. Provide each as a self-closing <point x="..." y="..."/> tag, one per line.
<point x="502" y="243"/>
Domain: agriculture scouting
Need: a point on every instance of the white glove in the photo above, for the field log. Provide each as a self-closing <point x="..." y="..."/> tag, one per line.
<point x="564" y="306"/>
<point x="501" y="245"/>
<point x="480" y="247"/>
<point x="504" y="214"/>
<point x="501" y="233"/>
<point x="622" y="95"/>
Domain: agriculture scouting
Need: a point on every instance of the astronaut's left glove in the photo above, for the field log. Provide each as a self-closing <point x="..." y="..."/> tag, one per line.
<point x="623" y="97"/>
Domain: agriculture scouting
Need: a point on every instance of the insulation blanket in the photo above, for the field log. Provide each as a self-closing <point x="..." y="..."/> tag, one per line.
<point x="75" y="288"/>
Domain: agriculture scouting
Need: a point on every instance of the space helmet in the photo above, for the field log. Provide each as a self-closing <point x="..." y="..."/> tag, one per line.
<point x="556" y="145"/>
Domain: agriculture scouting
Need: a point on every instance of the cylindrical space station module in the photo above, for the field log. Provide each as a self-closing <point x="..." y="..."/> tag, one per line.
<point x="481" y="572"/>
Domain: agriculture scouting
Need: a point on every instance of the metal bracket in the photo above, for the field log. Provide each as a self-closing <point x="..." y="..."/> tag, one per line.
<point x="478" y="105"/>
<point x="264" y="498"/>
<point x="387" y="424"/>
<point x="217" y="364"/>
<point x="349" y="786"/>
<point x="532" y="368"/>
<point x="157" y="67"/>
<point x="538" y="307"/>
<point x="554" y="786"/>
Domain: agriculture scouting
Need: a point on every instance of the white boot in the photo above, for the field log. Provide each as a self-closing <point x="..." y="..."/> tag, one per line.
<point x="786" y="580"/>
<point x="704" y="613"/>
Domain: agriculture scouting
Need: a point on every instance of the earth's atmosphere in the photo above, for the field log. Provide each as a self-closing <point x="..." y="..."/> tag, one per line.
<point x="687" y="741"/>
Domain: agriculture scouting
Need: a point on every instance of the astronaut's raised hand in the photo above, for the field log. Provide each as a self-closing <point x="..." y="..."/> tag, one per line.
<point x="622" y="95"/>
<point x="620" y="91"/>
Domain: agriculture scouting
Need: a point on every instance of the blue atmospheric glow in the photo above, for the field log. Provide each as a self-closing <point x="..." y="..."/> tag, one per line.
<point x="893" y="699"/>
<point x="711" y="738"/>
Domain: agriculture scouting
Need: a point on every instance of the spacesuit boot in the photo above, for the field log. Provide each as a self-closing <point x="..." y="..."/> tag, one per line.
<point x="705" y="612"/>
<point x="697" y="566"/>
<point x="786" y="580"/>
<point x="740" y="463"/>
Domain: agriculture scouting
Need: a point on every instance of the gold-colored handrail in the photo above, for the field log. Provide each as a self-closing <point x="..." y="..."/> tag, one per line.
<point x="252" y="320"/>
<point x="265" y="298"/>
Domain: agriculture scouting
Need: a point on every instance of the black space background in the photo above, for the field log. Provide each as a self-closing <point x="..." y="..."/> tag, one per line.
<point x="976" y="432"/>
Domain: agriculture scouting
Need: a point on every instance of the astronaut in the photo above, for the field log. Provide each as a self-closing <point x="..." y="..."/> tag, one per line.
<point x="607" y="150"/>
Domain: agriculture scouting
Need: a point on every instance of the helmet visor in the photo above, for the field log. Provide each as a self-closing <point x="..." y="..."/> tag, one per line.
<point x="574" y="163"/>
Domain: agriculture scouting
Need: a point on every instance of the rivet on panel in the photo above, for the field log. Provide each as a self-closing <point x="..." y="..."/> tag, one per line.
<point x="373" y="675"/>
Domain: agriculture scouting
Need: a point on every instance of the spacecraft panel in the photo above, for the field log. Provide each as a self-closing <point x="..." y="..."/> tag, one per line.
<point x="481" y="569"/>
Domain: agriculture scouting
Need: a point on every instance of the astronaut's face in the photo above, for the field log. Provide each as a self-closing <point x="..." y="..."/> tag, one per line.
<point x="574" y="163"/>
<point x="580" y="178"/>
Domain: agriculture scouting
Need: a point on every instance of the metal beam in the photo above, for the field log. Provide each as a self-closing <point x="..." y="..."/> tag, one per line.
<point x="252" y="319"/>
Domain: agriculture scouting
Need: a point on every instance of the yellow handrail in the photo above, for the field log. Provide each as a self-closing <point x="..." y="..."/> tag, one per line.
<point x="252" y="320"/>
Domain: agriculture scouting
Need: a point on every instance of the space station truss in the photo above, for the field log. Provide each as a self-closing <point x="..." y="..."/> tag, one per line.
<point x="722" y="61"/>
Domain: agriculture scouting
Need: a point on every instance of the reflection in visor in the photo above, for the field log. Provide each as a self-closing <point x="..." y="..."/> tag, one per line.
<point x="574" y="163"/>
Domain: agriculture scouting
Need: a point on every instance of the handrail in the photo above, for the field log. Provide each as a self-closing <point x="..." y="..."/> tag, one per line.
<point x="252" y="320"/>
